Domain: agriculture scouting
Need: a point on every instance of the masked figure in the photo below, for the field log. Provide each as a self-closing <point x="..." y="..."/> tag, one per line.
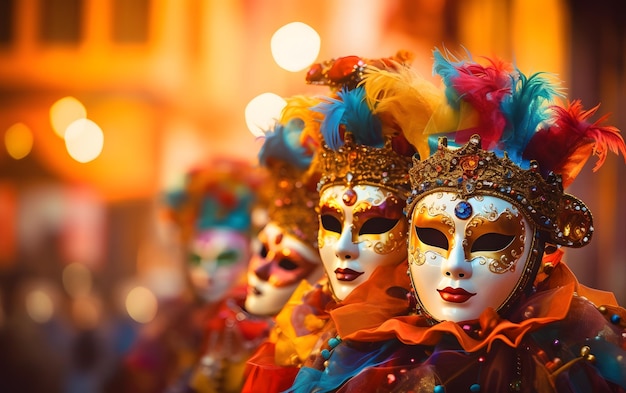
<point x="286" y="247"/>
<point x="286" y="255"/>
<point x="495" y="308"/>
<point x="362" y="160"/>
<point x="210" y="335"/>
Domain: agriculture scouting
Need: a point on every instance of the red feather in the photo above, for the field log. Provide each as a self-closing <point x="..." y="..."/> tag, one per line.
<point x="572" y="139"/>
<point x="484" y="88"/>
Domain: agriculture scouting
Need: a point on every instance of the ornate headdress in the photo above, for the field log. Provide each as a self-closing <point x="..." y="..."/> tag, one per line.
<point x="348" y="71"/>
<point x="287" y="154"/>
<point x="519" y="145"/>
<point x="220" y="193"/>
<point x="362" y="132"/>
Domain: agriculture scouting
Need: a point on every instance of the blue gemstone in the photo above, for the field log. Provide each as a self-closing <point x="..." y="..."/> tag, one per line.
<point x="615" y="319"/>
<point x="463" y="210"/>
<point x="475" y="388"/>
<point x="439" y="389"/>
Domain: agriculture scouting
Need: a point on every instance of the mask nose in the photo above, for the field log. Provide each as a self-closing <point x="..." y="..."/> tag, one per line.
<point x="456" y="265"/>
<point x="345" y="249"/>
<point x="263" y="271"/>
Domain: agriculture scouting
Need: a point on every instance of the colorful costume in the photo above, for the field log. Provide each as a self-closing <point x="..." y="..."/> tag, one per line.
<point x="287" y="244"/>
<point x="187" y="347"/>
<point x="362" y="160"/>
<point x="495" y="308"/>
<point x="287" y="259"/>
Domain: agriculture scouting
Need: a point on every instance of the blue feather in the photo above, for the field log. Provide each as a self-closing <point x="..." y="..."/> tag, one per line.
<point x="525" y="112"/>
<point x="283" y="143"/>
<point x="350" y="110"/>
<point x="333" y="111"/>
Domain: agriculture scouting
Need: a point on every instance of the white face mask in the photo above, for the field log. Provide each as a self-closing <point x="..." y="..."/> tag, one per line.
<point x="361" y="228"/>
<point x="281" y="261"/>
<point x="465" y="256"/>
<point x="217" y="262"/>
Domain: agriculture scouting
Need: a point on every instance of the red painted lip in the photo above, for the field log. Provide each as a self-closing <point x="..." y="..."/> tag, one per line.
<point x="455" y="295"/>
<point x="346" y="274"/>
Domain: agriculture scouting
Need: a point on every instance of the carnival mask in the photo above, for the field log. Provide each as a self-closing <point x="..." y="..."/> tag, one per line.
<point x="217" y="261"/>
<point x="280" y="262"/>
<point x="467" y="255"/>
<point x="361" y="228"/>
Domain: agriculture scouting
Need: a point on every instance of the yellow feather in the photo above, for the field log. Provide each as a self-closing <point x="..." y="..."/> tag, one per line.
<point x="406" y="99"/>
<point x="300" y="107"/>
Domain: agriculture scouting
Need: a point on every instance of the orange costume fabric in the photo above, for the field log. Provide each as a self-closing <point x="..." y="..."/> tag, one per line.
<point x="307" y="322"/>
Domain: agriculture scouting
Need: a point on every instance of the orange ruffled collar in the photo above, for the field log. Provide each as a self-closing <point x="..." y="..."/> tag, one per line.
<point x="550" y="303"/>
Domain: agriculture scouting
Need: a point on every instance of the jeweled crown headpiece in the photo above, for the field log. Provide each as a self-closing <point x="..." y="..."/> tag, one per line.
<point x="287" y="154"/>
<point x="519" y="146"/>
<point x="361" y="137"/>
<point x="218" y="194"/>
<point x="471" y="171"/>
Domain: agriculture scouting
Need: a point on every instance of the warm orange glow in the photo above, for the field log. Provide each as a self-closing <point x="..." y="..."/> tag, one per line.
<point x="539" y="46"/>
<point x="127" y="166"/>
<point x="18" y="140"/>
<point x="64" y="112"/>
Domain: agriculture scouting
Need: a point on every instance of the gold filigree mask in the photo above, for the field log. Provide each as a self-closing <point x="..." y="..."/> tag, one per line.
<point x="467" y="255"/>
<point x="361" y="228"/>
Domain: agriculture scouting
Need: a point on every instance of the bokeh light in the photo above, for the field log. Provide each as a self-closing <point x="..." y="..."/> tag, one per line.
<point x="84" y="140"/>
<point x="262" y="112"/>
<point x="39" y="306"/>
<point x="77" y="279"/>
<point x="18" y="140"/>
<point x="64" y="112"/>
<point x="295" y="46"/>
<point x="141" y="304"/>
<point x="86" y="312"/>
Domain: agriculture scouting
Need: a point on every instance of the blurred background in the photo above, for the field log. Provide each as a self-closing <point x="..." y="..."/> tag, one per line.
<point x="160" y="85"/>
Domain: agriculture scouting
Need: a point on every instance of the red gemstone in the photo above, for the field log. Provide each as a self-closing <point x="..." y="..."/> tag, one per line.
<point x="343" y="68"/>
<point x="349" y="197"/>
<point x="314" y="73"/>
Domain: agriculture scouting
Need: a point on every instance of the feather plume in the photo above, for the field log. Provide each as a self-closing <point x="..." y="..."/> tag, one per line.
<point x="485" y="88"/>
<point x="565" y="146"/>
<point x="404" y="101"/>
<point x="447" y="70"/>
<point x="283" y="143"/>
<point x="526" y="111"/>
<point x="351" y="111"/>
<point x="299" y="107"/>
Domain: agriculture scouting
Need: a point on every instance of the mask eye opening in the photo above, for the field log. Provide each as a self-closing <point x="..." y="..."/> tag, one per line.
<point x="492" y="242"/>
<point x="330" y="223"/>
<point x="432" y="237"/>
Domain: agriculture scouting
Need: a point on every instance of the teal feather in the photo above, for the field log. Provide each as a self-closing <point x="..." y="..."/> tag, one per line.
<point x="350" y="110"/>
<point x="526" y="110"/>
<point x="283" y="143"/>
<point x="448" y="71"/>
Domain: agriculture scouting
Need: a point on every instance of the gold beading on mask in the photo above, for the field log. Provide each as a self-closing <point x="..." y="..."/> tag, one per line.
<point x="364" y="165"/>
<point x="293" y="201"/>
